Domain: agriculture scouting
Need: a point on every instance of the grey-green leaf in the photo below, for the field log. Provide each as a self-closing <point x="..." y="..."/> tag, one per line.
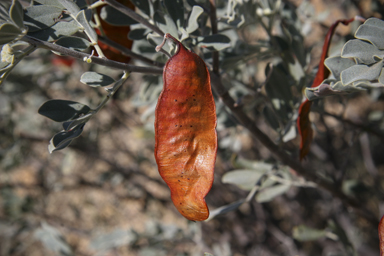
<point x="16" y="13"/>
<point x="95" y="79"/>
<point x="52" y="239"/>
<point x="337" y="64"/>
<point x="81" y="17"/>
<point x="216" y="42"/>
<point x="63" y="139"/>
<point x="63" y="110"/>
<point x="361" y="50"/>
<point x="270" y="193"/>
<point x="373" y="31"/>
<point x="50" y="2"/>
<point x="8" y="33"/>
<point x="192" y="21"/>
<point x="303" y="233"/>
<point x="71" y="6"/>
<point x="244" y="179"/>
<point x="361" y="72"/>
<point x="115" y="17"/>
<point x="56" y="31"/>
<point x="74" y="43"/>
<point x="40" y="17"/>
<point x="176" y="11"/>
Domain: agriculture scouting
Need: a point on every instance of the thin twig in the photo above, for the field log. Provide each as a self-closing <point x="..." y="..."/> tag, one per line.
<point x="97" y="60"/>
<point x="134" y="16"/>
<point x="128" y="52"/>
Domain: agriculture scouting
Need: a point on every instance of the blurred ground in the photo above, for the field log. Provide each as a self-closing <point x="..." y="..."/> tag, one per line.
<point x="103" y="195"/>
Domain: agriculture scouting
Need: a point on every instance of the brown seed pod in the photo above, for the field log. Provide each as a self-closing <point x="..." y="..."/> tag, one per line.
<point x="186" y="140"/>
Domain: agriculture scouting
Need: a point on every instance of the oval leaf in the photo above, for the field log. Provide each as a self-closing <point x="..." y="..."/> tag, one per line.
<point x="303" y="233"/>
<point x="56" y="31"/>
<point x="71" y="6"/>
<point x="361" y="72"/>
<point x="63" y="110"/>
<point x="74" y="43"/>
<point x="373" y="31"/>
<point x="63" y="139"/>
<point x="337" y="64"/>
<point x="244" y="179"/>
<point x="8" y="33"/>
<point x="361" y="50"/>
<point x="270" y="193"/>
<point x="192" y="21"/>
<point x="16" y="13"/>
<point x="95" y="79"/>
<point x="40" y="17"/>
<point x="82" y="18"/>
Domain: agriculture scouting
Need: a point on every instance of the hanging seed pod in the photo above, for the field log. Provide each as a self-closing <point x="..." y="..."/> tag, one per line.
<point x="186" y="140"/>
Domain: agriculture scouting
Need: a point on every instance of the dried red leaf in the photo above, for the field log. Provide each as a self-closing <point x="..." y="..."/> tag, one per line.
<point x="186" y="140"/>
<point x="118" y="34"/>
<point x="381" y="236"/>
<point x="304" y="127"/>
<point x="303" y="122"/>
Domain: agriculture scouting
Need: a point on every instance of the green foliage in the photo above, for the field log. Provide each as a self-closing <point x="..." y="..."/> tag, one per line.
<point x="360" y="65"/>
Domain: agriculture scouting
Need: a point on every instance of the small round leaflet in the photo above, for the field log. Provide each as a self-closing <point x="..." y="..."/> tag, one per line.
<point x="186" y="140"/>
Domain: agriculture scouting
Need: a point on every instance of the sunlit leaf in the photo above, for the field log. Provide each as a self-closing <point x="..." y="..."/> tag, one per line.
<point x="361" y="72"/>
<point x="337" y="64"/>
<point x="56" y="3"/>
<point x="373" y="31"/>
<point x="40" y="17"/>
<point x="244" y="179"/>
<point x="361" y="50"/>
<point x="192" y="21"/>
<point x="56" y="31"/>
<point x="71" y="6"/>
<point x="81" y="17"/>
<point x="95" y="79"/>
<point x="304" y="233"/>
<point x="269" y="193"/>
